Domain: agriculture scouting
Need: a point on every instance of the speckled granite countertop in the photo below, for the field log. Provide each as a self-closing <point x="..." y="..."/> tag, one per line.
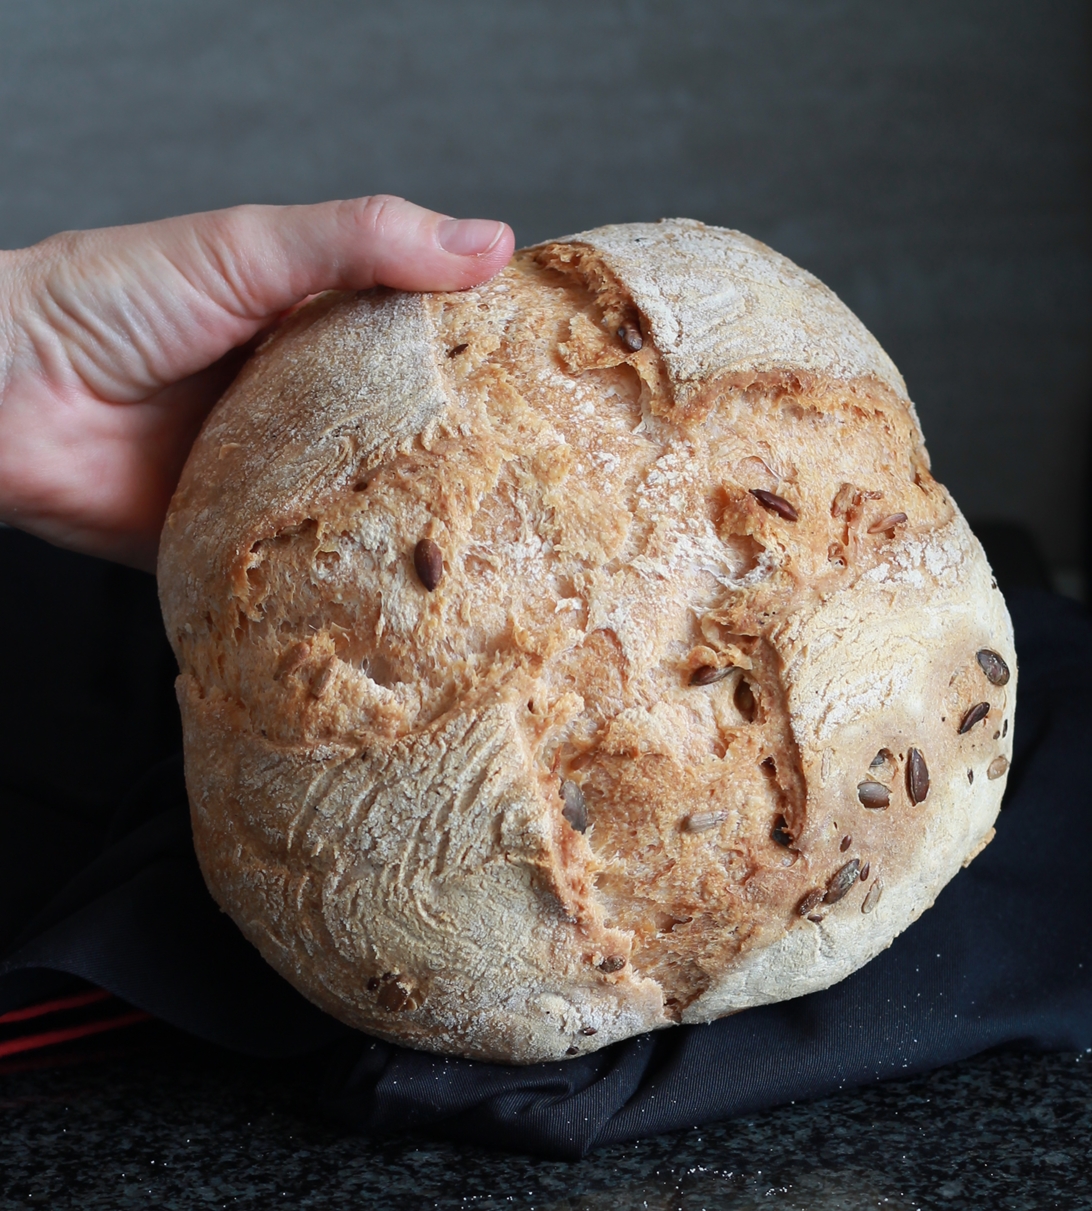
<point x="161" y="1122"/>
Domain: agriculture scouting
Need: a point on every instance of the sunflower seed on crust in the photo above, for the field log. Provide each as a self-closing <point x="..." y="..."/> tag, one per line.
<point x="811" y="901"/>
<point x="630" y="335"/>
<point x="917" y="777"/>
<point x="775" y="504"/>
<point x="995" y="668"/>
<point x="997" y="768"/>
<point x="702" y="821"/>
<point x="887" y="523"/>
<point x="323" y="679"/>
<point x="428" y="562"/>
<point x="873" y="795"/>
<point x="976" y="714"/>
<point x="575" y="810"/>
<point x="872" y="897"/>
<point x="707" y="674"/>
<point x="842" y="880"/>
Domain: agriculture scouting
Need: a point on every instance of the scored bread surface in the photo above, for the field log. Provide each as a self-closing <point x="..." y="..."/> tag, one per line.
<point x="626" y="762"/>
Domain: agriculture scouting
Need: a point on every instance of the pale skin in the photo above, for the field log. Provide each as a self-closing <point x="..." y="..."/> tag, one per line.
<point x="115" y="344"/>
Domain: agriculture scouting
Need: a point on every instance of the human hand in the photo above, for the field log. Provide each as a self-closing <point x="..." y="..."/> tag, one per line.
<point x="116" y="343"/>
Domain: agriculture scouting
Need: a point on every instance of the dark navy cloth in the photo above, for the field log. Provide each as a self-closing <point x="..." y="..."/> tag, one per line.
<point x="99" y="881"/>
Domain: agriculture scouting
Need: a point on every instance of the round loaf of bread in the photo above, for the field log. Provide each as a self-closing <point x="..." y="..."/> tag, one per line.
<point x="581" y="654"/>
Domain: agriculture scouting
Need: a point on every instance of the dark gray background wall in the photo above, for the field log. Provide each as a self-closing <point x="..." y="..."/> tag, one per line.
<point x="928" y="159"/>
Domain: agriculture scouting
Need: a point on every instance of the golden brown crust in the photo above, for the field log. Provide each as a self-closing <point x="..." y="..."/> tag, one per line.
<point x="536" y="640"/>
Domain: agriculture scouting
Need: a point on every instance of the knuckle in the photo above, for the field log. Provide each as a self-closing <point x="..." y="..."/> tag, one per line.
<point x="378" y="214"/>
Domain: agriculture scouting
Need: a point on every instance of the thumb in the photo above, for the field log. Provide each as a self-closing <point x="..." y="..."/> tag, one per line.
<point x="126" y="311"/>
<point x="281" y="253"/>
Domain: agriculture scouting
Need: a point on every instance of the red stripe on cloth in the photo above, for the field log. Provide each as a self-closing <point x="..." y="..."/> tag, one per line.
<point x="49" y="1038"/>
<point x="44" y="1007"/>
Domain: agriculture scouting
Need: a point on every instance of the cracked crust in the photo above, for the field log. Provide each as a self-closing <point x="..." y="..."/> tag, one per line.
<point x="603" y="775"/>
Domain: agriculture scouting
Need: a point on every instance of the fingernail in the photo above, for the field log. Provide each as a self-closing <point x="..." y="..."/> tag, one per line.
<point x="469" y="237"/>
